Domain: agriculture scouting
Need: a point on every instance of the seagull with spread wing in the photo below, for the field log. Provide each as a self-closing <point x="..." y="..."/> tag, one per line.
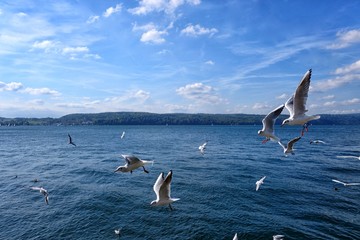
<point x="259" y="183"/>
<point x="71" y="141"/>
<point x="288" y="149"/>
<point x="42" y="191"/>
<point x="132" y="163"/>
<point x="268" y="125"/>
<point x="296" y="105"/>
<point x="346" y="184"/>
<point x="202" y="147"/>
<point x="162" y="191"/>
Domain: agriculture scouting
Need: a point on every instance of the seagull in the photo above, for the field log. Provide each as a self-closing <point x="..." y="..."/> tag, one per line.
<point x="317" y="142"/>
<point x="278" y="237"/>
<point x="289" y="147"/>
<point x="235" y="237"/>
<point x="358" y="158"/>
<point x="132" y="162"/>
<point x="70" y="140"/>
<point x="202" y="147"/>
<point x="42" y="191"/>
<point x="268" y="125"/>
<point x="162" y="191"/>
<point x="122" y="135"/>
<point x="258" y="183"/>
<point x="296" y="105"/>
<point x="117" y="231"/>
<point x="346" y="184"/>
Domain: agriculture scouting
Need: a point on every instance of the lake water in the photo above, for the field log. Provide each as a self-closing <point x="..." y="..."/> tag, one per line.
<point x="87" y="200"/>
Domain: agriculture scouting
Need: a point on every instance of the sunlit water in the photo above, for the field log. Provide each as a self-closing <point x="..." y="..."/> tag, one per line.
<point x="87" y="200"/>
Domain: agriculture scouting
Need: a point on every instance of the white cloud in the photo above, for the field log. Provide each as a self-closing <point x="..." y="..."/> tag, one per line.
<point x="142" y="95"/>
<point x="53" y="47"/>
<point x="72" y="50"/>
<point x="335" y="83"/>
<point x="43" y="44"/>
<point x="143" y="28"/>
<point x="260" y="106"/>
<point x="354" y="67"/>
<point x="41" y="91"/>
<point x="153" y="36"/>
<point x="93" y="19"/>
<point x="282" y="96"/>
<point x="112" y="10"/>
<point x="328" y="97"/>
<point x="351" y="101"/>
<point x="12" y="86"/>
<point x="209" y="62"/>
<point x="167" y="6"/>
<point x="330" y="104"/>
<point x="346" y="38"/>
<point x="200" y="92"/>
<point x="197" y="30"/>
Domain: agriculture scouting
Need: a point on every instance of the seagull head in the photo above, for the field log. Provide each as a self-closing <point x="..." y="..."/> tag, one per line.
<point x="153" y="203"/>
<point x="120" y="169"/>
<point x="286" y="121"/>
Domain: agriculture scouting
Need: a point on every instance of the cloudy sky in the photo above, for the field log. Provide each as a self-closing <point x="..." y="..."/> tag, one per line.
<point x="193" y="56"/>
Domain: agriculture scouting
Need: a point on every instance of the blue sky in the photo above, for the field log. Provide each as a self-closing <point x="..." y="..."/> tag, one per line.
<point x="164" y="56"/>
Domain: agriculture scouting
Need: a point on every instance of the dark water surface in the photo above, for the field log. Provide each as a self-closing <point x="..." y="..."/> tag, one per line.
<point x="87" y="200"/>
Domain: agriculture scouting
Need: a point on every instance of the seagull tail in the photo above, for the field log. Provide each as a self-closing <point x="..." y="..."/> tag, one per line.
<point x="315" y="117"/>
<point x="148" y="162"/>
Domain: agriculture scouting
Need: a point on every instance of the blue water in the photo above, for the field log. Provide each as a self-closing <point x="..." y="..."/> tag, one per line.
<point x="87" y="200"/>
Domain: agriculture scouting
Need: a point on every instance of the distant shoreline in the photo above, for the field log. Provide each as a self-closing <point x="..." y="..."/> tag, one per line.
<point x="145" y="118"/>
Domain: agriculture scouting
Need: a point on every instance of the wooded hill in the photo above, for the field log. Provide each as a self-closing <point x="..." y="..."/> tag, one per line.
<point x="144" y="118"/>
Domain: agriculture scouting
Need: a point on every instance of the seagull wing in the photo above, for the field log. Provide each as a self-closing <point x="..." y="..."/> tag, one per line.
<point x="36" y="188"/>
<point x="290" y="106"/>
<point x="301" y="95"/>
<point x="235" y="237"/>
<point x="337" y="181"/>
<point x="159" y="182"/>
<point x="292" y="142"/>
<point x="269" y="121"/>
<point x="258" y="183"/>
<point x="164" y="191"/>
<point x="131" y="159"/>
<point x="353" y="184"/>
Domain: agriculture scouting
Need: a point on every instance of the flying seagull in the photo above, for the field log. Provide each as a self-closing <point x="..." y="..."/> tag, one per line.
<point x="71" y="141"/>
<point x="235" y="237"/>
<point x="346" y="184"/>
<point x="202" y="147"/>
<point x="296" y="105"/>
<point x="132" y="163"/>
<point x="42" y="191"/>
<point x="122" y="135"/>
<point x="258" y="183"/>
<point x="317" y="142"/>
<point x="162" y="191"/>
<point x="278" y="237"/>
<point x="118" y="231"/>
<point x="289" y="147"/>
<point x="268" y="125"/>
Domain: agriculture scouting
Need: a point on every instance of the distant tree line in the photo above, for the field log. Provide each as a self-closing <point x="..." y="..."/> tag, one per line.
<point x="144" y="118"/>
